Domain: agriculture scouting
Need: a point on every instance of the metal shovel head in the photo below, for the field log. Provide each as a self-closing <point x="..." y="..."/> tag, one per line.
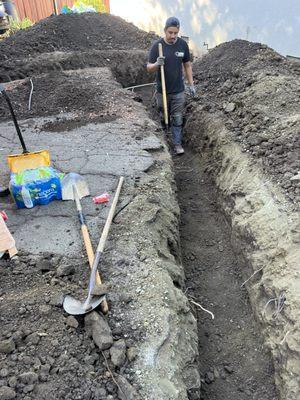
<point x="70" y="181"/>
<point x="76" y="307"/>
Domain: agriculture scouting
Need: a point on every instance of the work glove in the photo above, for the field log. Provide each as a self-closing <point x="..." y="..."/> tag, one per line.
<point x="160" y="61"/>
<point x="192" y="91"/>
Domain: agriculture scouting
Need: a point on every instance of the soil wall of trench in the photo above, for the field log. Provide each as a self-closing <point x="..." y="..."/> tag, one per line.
<point x="265" y="233"/>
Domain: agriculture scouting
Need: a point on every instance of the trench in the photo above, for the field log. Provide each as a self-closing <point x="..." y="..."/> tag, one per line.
<point x="234" y="363"/>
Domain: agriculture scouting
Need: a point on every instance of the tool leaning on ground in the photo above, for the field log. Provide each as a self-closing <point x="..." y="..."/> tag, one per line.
<point x="163" y="85"/>
<point x="75" y="307"/>
<point x="74" y="187"/>
<point x="26" y="160"/>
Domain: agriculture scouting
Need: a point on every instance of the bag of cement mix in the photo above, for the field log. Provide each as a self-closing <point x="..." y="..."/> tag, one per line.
<point x="35" y="186"/>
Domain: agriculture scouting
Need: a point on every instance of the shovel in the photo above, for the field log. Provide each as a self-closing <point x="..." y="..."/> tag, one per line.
<point x="74" y="187"/>
<point x="19" y="162"/>
<point x="73" y="306"/>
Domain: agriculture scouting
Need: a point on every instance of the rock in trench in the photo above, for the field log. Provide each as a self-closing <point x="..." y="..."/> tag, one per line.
<point x="118" y="353"/>
<point x="6" y="393"/>
<point x="97" y="327"/>
<point x="7" y="346"/>
<point x="126" y="390"/>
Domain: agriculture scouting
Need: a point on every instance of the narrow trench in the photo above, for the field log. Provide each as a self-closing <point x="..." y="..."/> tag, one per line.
<point x="233" y="361"/>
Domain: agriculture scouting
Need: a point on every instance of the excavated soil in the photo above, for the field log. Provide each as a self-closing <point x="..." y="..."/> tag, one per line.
<point x="75" y="32"/>
<point x="256" y="92"/>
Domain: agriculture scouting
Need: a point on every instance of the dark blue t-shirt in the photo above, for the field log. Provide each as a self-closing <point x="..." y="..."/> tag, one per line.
<point x="175" y="54"/>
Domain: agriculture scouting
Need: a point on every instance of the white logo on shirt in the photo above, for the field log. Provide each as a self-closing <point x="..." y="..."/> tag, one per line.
<point x="179" y="54"/>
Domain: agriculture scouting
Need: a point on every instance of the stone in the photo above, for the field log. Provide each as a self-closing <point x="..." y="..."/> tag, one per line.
<point x="28" y="377"/>
<point x="229" y="107"/>
<point x="118" y="353"/>
<point x="97" y="327"/>
<point x="28" y="388"/>
<point x="12" y="382"/>
<point x="228" y="369"/>
<point x="33" y="338"/>
<point x="132" y="353"/>
<point x="57" y="300"/>
<point x="65" y="270"/>
<point x="4" y="372"/>
<point x="7" y="346"/>
<point x="209" y="377"/>
<point x="44" y="309"/>
<point x="72" y="322"/>
<point x="7" y="393"/>
<point x="127" y="391"/>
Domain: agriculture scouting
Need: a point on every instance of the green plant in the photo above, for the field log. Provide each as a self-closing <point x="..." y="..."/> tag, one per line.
<point x="15" y="26"/>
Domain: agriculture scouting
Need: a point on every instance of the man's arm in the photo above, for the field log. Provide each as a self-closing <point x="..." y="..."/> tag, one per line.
<point x="152" y="67"/>
<point x="189" y="72"/>
<point x="155" y="61"/>
<point x="189" y="76"/>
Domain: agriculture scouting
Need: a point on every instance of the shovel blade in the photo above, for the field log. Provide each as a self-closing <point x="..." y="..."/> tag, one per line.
<point x="76" y="307"/>
<point x="70" y="181"/>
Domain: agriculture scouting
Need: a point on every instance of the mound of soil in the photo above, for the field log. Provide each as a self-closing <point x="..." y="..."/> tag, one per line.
<point x="256" y="91"/>
<point x="75" y="32"/>
<point x="91" y="94"/>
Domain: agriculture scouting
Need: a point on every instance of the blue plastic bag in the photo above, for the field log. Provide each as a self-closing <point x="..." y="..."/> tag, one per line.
<point x="35" y="186"/>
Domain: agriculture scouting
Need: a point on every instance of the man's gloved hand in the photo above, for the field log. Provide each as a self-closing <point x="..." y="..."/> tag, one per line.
<point x="160" y="61"/>
<point x="192" y="91"/>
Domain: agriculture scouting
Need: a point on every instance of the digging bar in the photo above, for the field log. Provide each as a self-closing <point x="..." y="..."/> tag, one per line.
<point x="163" y="84"/>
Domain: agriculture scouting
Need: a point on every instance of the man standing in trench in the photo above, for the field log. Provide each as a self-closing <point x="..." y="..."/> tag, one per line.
<point x="175" y="54"/>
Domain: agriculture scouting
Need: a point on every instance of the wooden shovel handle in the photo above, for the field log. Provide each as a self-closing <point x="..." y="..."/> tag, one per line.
<point x="163" y="85"/>
<point x="90" y="253"/>
<point x="110" y="216"/>
<point x="89" y="250"/>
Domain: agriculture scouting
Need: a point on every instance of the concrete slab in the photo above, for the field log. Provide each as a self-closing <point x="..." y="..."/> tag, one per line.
<point x="55" y="228"/>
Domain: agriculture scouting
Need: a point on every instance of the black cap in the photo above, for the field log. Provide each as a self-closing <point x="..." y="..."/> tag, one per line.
<point x="172" y="21"/>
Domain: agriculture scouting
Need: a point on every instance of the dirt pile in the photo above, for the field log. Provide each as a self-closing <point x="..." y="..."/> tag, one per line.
<point x="64" y="92"/>
<point x="67" y="43"/>
<point x="75" y="32"/>
<point x="256" y="91"/>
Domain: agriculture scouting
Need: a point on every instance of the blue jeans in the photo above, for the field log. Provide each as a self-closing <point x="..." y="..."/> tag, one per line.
<point x="175" y="103"/>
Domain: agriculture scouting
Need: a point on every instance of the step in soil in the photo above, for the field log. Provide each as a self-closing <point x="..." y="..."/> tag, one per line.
<point x="233" y="362"/>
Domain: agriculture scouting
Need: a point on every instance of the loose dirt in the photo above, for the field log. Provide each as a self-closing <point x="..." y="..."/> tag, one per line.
<point x="76" y="32"/>
<point x="256" y="91"/>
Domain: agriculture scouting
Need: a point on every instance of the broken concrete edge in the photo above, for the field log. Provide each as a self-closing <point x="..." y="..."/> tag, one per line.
<point x="266" y="234"/>
<point x="148" y="234"/>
